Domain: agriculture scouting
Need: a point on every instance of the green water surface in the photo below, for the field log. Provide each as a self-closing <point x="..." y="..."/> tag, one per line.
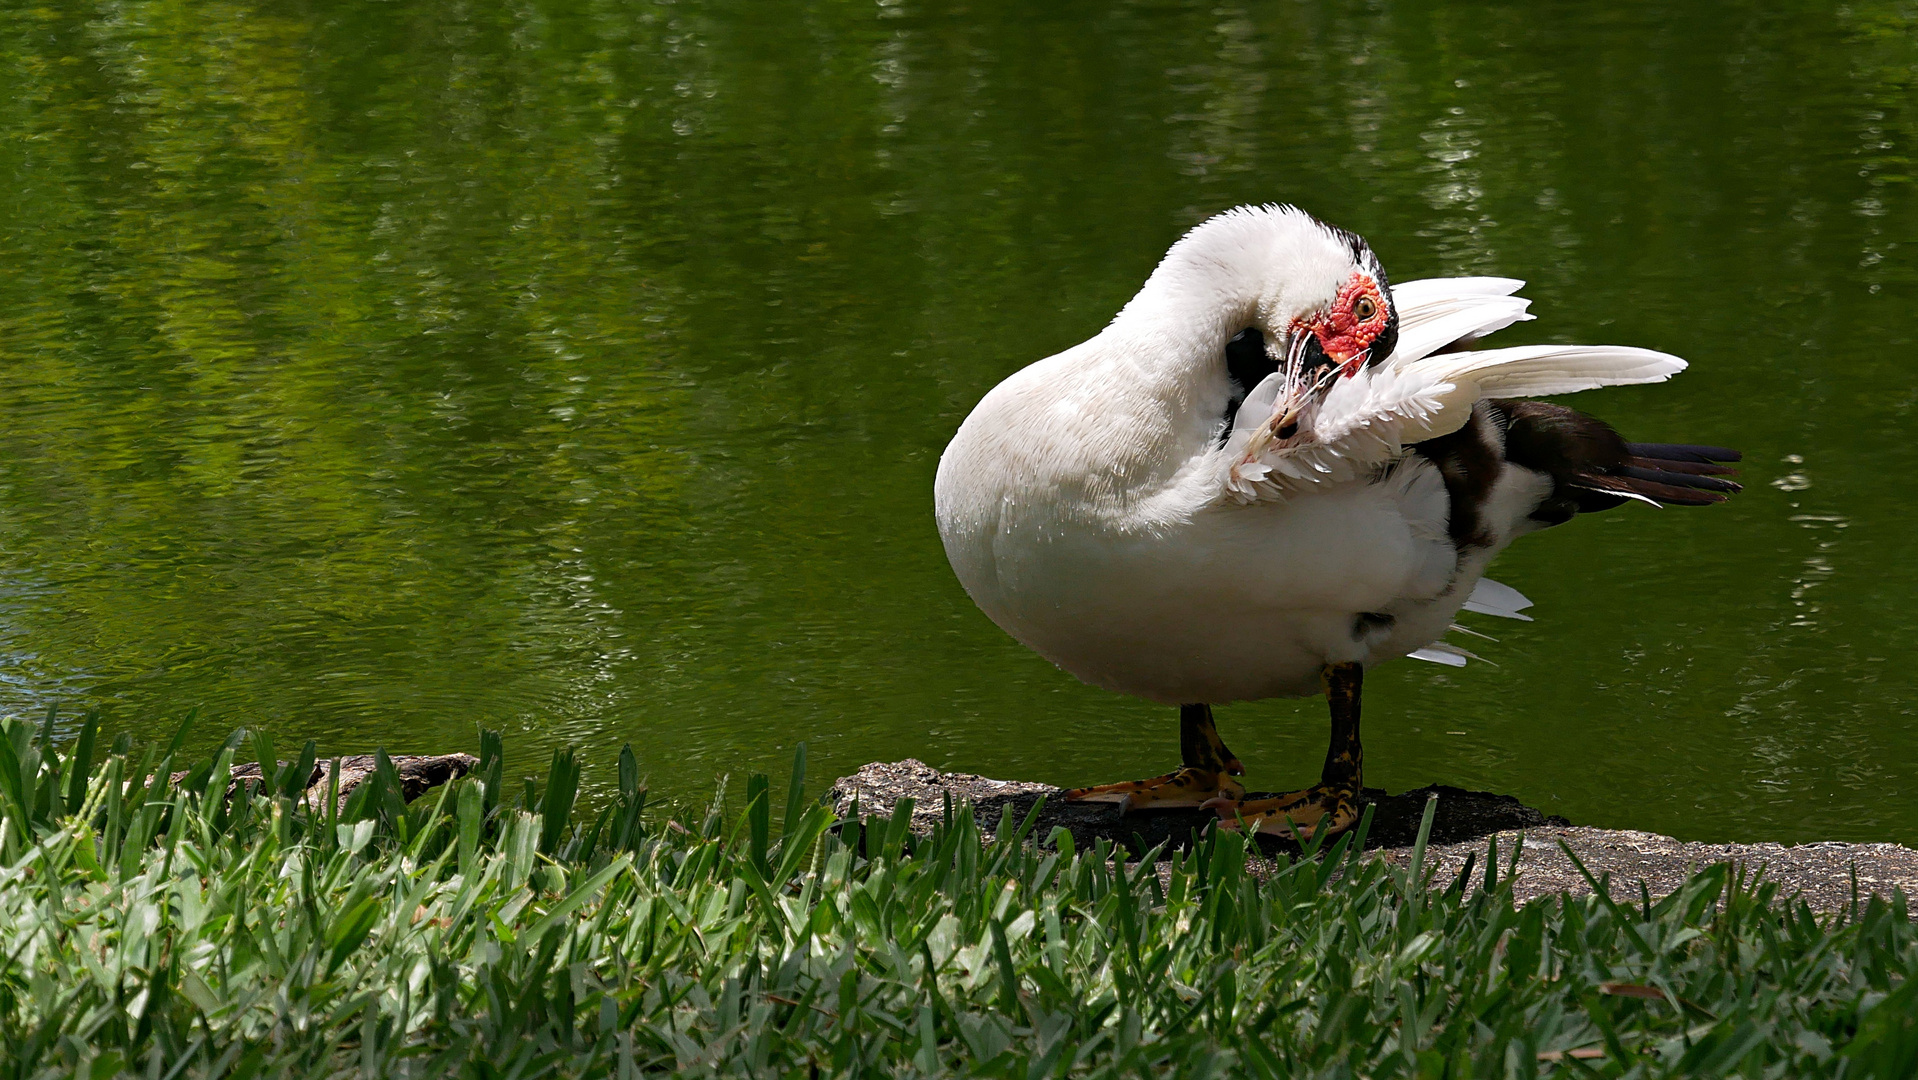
<point x="372" y="371"/>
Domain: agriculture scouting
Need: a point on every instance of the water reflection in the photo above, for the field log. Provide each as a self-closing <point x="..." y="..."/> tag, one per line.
<point x="376" y="372"/>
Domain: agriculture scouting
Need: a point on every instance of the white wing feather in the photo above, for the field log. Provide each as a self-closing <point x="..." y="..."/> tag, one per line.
<point x="1413" y="297"/>
<point x="1464" y="323"/>
<point x="1492" y="598"/>
<point x="1488" y="598"/>
<point x="1367" y="420"/>
<point x="1535" y="370"/>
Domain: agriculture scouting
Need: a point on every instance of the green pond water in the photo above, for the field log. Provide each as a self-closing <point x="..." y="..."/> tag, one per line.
<point x="373" y="371"/>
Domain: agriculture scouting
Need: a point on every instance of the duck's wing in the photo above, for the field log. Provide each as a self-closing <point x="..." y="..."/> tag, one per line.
<point x="1425" y="389"/>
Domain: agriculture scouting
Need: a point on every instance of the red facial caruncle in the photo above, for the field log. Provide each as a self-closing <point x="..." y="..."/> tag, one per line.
<point x="1347" y="329"/>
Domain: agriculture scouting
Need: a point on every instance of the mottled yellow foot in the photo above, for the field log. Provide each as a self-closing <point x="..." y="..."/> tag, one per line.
<point x="1189" y="786"/>
<point x="1316" y="810"/>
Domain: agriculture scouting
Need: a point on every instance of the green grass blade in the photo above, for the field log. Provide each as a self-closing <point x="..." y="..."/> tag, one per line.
<point x="759" y="822"/>
<point x="296" y="779"/>
<point x="267" y="759"/>
<point x="180" y="733"/>
<point x="795" y="792"/>
<point x="1415" y="872"/>
<point x="13" y="786"/>
<point x="556" y="805"/>
<point x="492" y="765"/>
<point x="80" y="763"/>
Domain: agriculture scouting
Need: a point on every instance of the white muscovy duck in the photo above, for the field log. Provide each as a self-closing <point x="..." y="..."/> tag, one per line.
<point x="1273" y="470"/>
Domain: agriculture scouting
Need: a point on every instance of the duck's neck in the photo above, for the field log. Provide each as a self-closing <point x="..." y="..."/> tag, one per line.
<point x="1179" y="322"/>
<point x="1252" y="267"/>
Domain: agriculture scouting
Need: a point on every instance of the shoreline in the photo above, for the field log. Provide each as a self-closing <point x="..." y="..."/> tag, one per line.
<point x="1465" y="826"/>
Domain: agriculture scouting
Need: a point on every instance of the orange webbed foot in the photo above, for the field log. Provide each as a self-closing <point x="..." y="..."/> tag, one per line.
<point x="1188" y="786"/>
<point x="1318" y="810"/>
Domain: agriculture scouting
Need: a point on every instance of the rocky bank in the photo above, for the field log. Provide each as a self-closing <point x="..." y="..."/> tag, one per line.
<point x="1463" y="825"/>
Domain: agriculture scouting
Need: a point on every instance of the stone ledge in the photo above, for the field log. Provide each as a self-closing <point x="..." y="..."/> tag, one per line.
<point x="1464" y="821"/>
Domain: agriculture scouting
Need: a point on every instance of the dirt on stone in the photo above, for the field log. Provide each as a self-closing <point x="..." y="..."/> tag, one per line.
<point x="1464" y="826"/>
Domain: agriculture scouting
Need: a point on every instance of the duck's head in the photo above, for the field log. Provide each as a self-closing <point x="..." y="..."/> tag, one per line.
<point x="1288" y="305"/>
<point x="1319" y="346"/>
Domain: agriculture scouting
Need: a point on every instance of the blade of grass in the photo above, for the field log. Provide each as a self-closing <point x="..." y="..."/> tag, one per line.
<point x="795" y="792"/>
<point x="80" y="763"/>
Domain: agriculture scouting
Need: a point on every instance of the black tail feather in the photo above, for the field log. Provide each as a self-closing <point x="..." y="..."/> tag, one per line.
<point x="1663" y="494"/>
<point x="1676" y="474"/>
<point x="1682" y="452"/>
<point x="1693" y="467"/>
<point x="1676" y="478"/>
<point x="1590" y="466"/>
<point x="1593" y="469"/>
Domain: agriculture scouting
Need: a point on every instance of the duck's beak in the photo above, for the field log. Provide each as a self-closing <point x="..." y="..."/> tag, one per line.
<point x="1309" y="373"/>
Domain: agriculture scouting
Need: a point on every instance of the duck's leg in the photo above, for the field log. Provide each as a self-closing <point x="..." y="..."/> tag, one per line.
<point x="1332" y="804"/>
<point x="1206" y="772"/>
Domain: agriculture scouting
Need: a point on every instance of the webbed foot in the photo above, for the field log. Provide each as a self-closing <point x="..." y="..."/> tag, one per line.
<point x="1329" y="806"/>
<point x="1206" y="773"/>
<point x="1319" y="809"/>
<point x="1187" y="786"/>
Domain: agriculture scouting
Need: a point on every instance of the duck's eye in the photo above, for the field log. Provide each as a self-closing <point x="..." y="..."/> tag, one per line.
<point x="1365" y="309"/>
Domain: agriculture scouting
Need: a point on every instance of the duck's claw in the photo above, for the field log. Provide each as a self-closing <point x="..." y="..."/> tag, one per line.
<point x="1188" y="786"/>
<point x="1316" y="810"/>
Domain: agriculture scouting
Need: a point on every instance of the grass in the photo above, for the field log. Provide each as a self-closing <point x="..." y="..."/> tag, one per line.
<point x="158" y="930"/>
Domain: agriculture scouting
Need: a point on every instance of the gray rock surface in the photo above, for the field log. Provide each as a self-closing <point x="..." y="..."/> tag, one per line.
<point x="418" y="774"/>
<point x="1820" y="873"/>
<point x="1462" y="826"/>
